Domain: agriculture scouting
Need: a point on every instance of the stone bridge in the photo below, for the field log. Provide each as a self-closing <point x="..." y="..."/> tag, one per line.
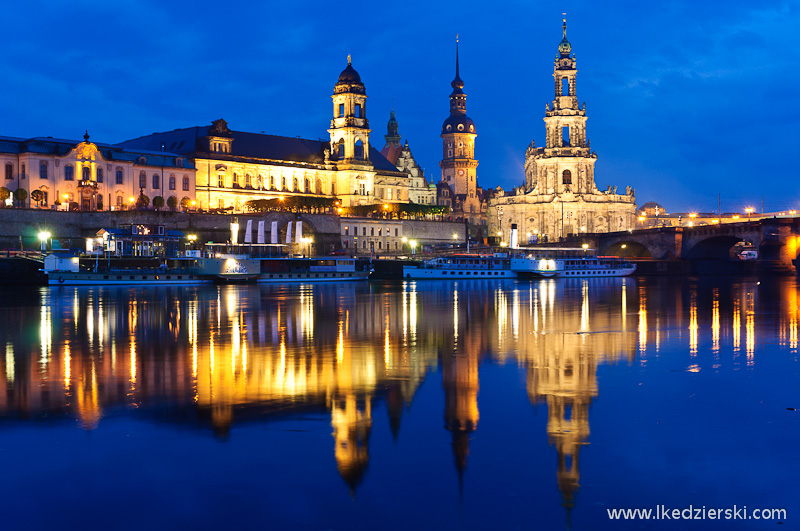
<point x="777" y="241"/>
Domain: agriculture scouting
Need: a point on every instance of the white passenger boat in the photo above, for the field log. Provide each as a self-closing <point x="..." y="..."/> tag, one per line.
<point x="63" y="269"/>
<point x="472" y="266"/>
<point x="583" y="262"/>
<point x="264" y="263"/>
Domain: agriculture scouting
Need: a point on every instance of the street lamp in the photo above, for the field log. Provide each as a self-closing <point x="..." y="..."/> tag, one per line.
<point x="43" y="237"/>
<point x="413" y="247"/>
<point x="749" y="211"/>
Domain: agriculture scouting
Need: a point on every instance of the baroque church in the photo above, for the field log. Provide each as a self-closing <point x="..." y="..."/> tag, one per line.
<point x="419" y="191"/>
<point x="234" y="167"/>
<point x="560" y="197"/>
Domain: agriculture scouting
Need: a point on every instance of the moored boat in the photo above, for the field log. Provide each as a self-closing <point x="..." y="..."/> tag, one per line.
<point x="583" y="262"/>
<point x="472" y="266"/>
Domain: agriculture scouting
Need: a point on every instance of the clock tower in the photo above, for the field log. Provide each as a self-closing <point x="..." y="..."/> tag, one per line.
<point x="458" y="154"/>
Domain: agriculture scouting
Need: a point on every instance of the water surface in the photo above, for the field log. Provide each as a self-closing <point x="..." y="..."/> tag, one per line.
<point x="425" y="405"/>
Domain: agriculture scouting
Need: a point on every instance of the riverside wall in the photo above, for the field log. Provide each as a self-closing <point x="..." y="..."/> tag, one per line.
<point x="19" y="227"/>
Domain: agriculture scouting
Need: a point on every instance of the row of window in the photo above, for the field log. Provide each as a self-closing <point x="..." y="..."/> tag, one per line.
<point x="371" y="231"/>
<point x="157" y="181"/>
<point x="249" y="182"/>
<point x="378" y="247"/>
<point x="357" y="113"/>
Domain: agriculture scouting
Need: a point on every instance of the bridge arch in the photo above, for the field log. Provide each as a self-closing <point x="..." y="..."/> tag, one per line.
<point x="626" y="249"/>
<point x="719" y="247"/>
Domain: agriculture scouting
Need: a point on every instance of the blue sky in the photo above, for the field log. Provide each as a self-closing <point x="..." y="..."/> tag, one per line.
<point x="685" y="100"/>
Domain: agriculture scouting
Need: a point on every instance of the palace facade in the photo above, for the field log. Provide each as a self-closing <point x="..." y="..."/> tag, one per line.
<point x="234" y="167"/>
<point x="560" y="197"/>
<point x="88" y="176"/>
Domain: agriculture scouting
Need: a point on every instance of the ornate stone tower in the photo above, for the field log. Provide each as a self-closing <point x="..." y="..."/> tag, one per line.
<point x="458" y="153"/>
<point x="560" y="198"/>
<point x="349" y="127"/>
<point x="566" y="164"/>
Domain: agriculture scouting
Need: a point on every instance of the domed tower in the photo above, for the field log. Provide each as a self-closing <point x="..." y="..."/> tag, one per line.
<point x="458" y="152"/>
<point x="349" y="127"/>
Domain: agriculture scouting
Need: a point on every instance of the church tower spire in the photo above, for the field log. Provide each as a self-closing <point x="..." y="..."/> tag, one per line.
<point x="458" y="152"/>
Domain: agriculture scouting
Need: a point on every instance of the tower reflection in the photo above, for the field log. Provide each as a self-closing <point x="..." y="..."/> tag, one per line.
<point x="231" y="354"/>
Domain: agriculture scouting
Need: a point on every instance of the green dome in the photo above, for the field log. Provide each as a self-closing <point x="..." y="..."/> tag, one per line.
<point x="564" y="47"/>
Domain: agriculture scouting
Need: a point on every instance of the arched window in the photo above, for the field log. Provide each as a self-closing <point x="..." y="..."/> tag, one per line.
<point x="294" y="184"/>
<point x="248" y="180"/>
<point x="119" y="201"/>
<point x="341" y="148"/>
<point x="308" y="186"/>
<point x="142" y="180"/>
<point x="271" y="182"/>
<point x="185" y="183"/>
<point x="235" y="180"/>
<point x="87" y="173"/>
<point x="283" y="183"/>
<point x="119" y="176"/>
<point x="171" y="182"/>
<point x="155" y="181"/>
<point x="10" y="172"/>
<point x="359" y="151"/>
<point x="566" y="177"/>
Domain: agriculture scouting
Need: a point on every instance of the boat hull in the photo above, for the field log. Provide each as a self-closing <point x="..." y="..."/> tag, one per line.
<point x="59" y="278"/>
<point x="266" y="278"/>
<point x="596" y="273"/>
<point x="422" y="273"/>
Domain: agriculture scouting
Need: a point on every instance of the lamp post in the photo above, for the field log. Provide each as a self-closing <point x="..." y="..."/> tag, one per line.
<point x="43" y="237"/>
<point x="749" y="211"/>
<point x="413" y="247"/>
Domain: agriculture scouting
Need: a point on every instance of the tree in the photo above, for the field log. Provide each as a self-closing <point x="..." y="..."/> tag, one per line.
<point x="172" y="202"/>
<point x="20" y="194"/>
<point x="142" y="201"/>
<point x="186" y="203"/>
<point x="158" y="202"/>
<point x="37" y="195"/>
<point x="5" y="193"/>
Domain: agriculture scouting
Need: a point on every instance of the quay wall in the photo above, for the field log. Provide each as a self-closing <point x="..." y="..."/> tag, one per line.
<point x="19" y="227"/>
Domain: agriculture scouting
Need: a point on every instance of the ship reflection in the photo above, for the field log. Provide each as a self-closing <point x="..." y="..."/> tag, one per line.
<point x="231" y="354"/>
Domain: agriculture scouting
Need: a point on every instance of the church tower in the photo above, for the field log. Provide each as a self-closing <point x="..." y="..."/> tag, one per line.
<point x="560" y="198"/>
<point x="458" y="153"/>
<point x="349" y="127"/>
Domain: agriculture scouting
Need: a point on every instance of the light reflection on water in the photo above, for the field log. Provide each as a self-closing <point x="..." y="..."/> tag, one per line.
<point x="233" y="354"/>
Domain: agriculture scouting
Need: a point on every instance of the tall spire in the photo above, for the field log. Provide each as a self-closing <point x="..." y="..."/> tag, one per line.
<point x="564" y="47"/>
<point x="457" y="83"/>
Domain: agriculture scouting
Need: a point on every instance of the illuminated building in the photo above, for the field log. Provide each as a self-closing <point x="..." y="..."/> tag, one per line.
<point x="92" y="176"/>
<point x="234" y="167"/>
<point x="458" y="188"/>
<point x="560" y="197"/>
<point x="419" y="190"/>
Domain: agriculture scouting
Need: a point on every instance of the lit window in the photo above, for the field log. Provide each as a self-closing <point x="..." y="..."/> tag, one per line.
<point x="221" y="180"/>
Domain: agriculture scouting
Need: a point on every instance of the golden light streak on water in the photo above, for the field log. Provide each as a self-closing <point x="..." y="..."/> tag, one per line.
<point x="455" y="314"/>
<point x="736" y="325"/>
<point x="750" y="329"/>
<point x="133" y="365"/>
<point x="244" y="358"/>
<point x="693" y="324"/>
<point x="307" y="313"/>
<point x="90" y="321"/>
<point x="515" y="314"/>
<point x="642" y="322"/>
<point x="67" y="366"/>
<point x="76" y="307"/>
<point x="387" y="351"/>
<point x="194" y="361"/>
<point x="211" y="356"/>
<point x="715" y="327"/>
<point x="624" y="305"/>
<point x="585" y="306"/>
<point x="10" y="363"/>
<point x="501" y="308"/>
<point x="413" y="313"/>
<point x="282" y="366"/>
<point x="340" y="344"/>
<point x="45" y="335"/>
